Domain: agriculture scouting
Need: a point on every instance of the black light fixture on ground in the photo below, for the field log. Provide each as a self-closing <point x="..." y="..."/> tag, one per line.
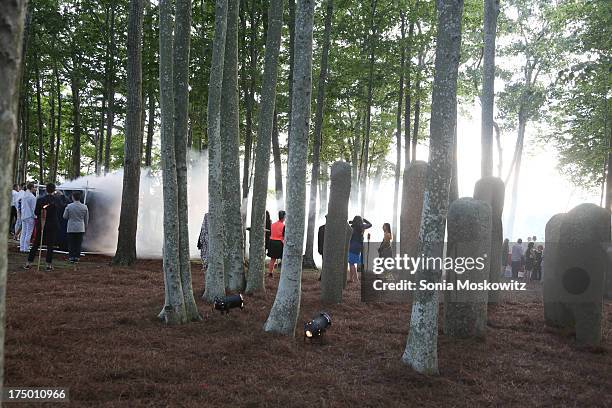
<point x="317" y="326"/>
<point x="224" y="304"/>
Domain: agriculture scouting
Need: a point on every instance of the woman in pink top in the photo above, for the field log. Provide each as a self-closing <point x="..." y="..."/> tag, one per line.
<point x="277" y="239"/>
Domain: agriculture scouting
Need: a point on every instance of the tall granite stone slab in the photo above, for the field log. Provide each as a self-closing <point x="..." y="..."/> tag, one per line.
<point x="413" y="189"/>
<point x="333" y="272"/>
<point x="492" y="190"/>
<point x="553" y="312"/>
<point x="577" y="283"/>
<point x="469" y="236"/>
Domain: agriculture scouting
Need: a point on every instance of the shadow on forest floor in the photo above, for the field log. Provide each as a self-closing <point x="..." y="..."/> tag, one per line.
<point x="94" y="330"/>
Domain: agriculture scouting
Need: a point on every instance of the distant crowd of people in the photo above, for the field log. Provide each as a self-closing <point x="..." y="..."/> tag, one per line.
<point x="36" y="221"/>
<point x="524" y="260"/>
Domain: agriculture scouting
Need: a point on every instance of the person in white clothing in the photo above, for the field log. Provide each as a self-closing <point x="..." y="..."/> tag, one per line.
<point x="18" y="197"/>
<point x="28" y="205"/>
<point x="14" y="194"/>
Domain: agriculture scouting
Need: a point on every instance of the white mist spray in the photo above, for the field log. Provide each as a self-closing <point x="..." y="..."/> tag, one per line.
<point x="106" y="206"/>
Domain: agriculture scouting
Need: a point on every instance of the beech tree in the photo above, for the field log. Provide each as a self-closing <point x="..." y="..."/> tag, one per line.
<point x="421" y="351"/>
<point x="285" y="310"/>
<point x="262" y="154"/>
<point x="12" y="17"/>
<point x="230" y="148"/>
<point x="215" y="282"/>
<point x="179" y="305"/>
<point x="491" y="11"/>
<point x="316" y="146"/>
<point x="128" y="219"/>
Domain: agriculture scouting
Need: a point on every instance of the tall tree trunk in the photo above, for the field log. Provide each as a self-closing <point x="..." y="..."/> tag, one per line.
<point x="128" y="218"/>
<point x="368" y="126"/>
<point x="316" y="146"/>
<point x="230" y="154"/>
<point x="215" y="282"/>
<point x="454" y="186"/>
<point x="422" y="345"/>
<point x="11" y="31"/>
<point x="26" y="136"/>
<point x="257" y="254"/>
<point x="58" y="136"/>
<point x="518" y="154"/>
<point x="174" y="308"/>
<point x="100" y="134"/>
<point x="250" y="103"/>
<point x="408" y="103"/>
<point x="41" y="167"/>
<point x="181" y="110"/>
<point x="76" y="122"/>
<point x="355" y="155"/>
<point x="608" y="180"/>
<point x="291" y="64"/>
<point x="110" y="114"/>
<point x="150" y="127"/>
<point x="491" y="10"/>
<point x="286" y="308"/>
<point x="22" y="81"/>
<point x="398" y="125"/>
<point x="278" y="165"/>
<point x="52" y="152"/>
<point x="417" y="104"/>
<point x="323" y="188"/>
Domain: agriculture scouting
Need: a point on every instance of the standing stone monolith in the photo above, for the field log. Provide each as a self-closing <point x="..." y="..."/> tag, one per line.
<point x="553" y="315"/>
<point x="469" y="237"/>
<point x="577" y="285"/>
<point x="412" y="206"/>
<point x="491" y="190"/>
<point x="333" y="272"/>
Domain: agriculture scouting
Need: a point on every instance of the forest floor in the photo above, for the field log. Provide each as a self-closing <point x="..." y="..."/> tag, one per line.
<point x="95" y="331"/>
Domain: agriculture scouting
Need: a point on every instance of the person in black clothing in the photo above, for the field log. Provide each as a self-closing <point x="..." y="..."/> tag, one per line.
<point x="47" y="208"/>
<point x="268" y="229"/>
<point x="359" y="225"/>
<point x="321" y="243"/>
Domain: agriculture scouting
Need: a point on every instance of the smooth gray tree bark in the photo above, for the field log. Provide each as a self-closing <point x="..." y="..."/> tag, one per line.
<point x="421" y="351"/>
<point x="316" y="146"/>
<point x="491" y="11"/>
<point x="366" y="143"/>
<point x="278" y="169"/>
<point x="182" y="33"/>
<point x="398" y="126"/>
<point x="230" y="157"/>
<point x="128" y="218"/>
<point x="12" y="17"/>
<point x="174" y="308"/>
<point x="286" y="307"/>
<point x="257" y="255"/>
<point x="215" y="282"/>
<point x="323" y="186"/>
<point x="110" y="112"/>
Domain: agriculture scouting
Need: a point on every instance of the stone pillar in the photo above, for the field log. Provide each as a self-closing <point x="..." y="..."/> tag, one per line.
<point x="577" y="273"/>
<point x="553" y="315"/>
<point x="491" y="190"/>
<point x="413" y="190"/>
<point x="469" y="236"/>
<point x="333" y="272"/>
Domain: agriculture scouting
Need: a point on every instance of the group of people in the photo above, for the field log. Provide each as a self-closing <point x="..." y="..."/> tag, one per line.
<point x="275" y="240"/>
<point x="36" y="221"/>
<point x="526" y="260"/>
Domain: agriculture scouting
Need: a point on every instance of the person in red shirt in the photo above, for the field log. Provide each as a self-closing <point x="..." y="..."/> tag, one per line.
<point x="277" y="240"/>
